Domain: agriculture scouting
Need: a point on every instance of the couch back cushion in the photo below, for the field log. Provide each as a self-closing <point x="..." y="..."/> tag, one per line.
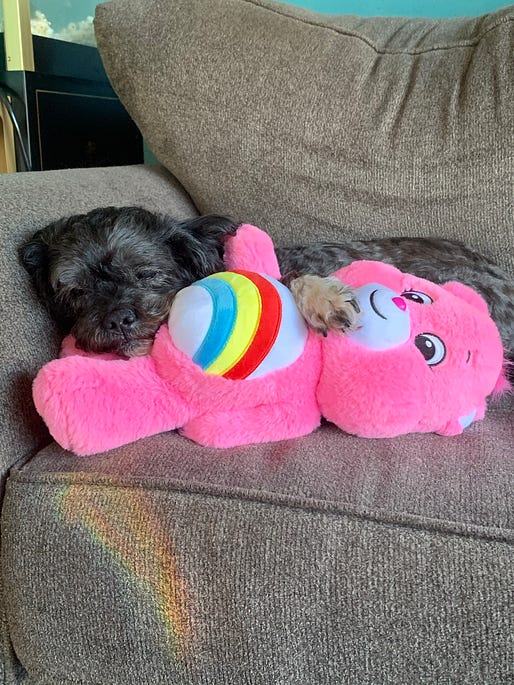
<point x="320" y="126"/>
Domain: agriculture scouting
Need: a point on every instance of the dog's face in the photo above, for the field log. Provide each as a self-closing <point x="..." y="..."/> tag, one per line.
<point x="109" y="276"/>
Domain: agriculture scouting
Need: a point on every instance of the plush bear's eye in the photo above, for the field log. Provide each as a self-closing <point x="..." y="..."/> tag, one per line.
<point x="431" y="347"/>
<point x="416" y="296"/>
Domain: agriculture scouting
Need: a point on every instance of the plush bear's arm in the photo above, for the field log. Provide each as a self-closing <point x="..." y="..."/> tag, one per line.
<point x="91" y="405"/>
<point x="251" y="249"/>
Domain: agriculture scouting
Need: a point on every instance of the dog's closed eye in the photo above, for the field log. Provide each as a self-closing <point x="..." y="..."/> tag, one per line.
<point x="146" y="274"/>
<point x="69" y="294"/>
<point x="75" y="292"/>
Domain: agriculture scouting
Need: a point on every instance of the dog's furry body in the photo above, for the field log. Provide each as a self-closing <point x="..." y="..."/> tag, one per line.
<point x="437" y="260"/>
<point x="109" y="276"/>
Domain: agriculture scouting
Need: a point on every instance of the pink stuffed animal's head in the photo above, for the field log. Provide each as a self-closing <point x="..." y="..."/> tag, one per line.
<point x="424" y="358"/>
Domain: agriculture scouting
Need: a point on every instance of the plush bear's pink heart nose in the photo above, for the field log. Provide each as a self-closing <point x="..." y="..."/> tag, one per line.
<point x="400" y="303"/>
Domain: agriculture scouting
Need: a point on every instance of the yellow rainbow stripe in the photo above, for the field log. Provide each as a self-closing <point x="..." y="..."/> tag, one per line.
<point x="122" y="520"/>
<point x="246" y="323"/>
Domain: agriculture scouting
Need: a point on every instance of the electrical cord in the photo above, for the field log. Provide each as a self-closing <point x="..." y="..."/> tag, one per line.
<point x="12" y="116"/>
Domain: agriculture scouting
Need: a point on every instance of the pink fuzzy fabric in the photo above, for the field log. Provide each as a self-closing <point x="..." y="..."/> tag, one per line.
<point x="92" y="404"/>
<point x="280" y="405"/>
<point x="251" y="249"/>
<point x="394" y="391"/>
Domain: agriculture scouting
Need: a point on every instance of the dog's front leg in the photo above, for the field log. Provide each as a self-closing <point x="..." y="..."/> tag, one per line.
<point x="325" y="303"/>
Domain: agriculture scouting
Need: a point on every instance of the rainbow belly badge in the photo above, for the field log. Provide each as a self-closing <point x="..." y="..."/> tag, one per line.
<point x="238" y="324"/>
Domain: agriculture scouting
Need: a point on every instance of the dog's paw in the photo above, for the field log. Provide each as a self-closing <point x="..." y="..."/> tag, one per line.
<point x="325" y="303"/>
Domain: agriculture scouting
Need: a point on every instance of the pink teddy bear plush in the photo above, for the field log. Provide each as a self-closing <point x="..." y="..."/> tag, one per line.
<point x="424" y="358"/>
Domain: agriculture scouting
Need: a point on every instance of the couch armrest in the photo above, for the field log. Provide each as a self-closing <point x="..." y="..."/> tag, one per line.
<point x="28" y="338"/>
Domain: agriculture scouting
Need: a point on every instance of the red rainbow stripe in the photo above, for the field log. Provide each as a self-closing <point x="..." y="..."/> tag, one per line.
<point x="267" y="330"/>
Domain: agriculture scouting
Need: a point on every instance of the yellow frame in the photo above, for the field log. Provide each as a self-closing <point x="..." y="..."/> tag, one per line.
<point x="18" y="35"/>
<point x="7" y="149"/>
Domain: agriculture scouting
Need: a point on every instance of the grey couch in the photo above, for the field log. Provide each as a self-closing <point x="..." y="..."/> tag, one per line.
<point x="324" y="560"/>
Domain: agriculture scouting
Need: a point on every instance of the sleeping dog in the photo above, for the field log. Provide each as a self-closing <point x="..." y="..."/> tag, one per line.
<point x="109" y="276"/>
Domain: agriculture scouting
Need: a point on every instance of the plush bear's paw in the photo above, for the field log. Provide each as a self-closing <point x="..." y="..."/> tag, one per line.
<point x="325" y="303"/>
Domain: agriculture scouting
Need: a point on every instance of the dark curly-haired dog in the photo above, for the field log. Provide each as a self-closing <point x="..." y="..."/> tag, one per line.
<point x="109" y="276"/>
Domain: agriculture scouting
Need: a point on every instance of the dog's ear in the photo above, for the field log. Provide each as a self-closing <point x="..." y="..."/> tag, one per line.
<point x="210" y="230"/>
<point x="212" y="226"/>
<point x="35" y="259"/>
<point x="198" y="244"/>
<point x="35" y="253"/>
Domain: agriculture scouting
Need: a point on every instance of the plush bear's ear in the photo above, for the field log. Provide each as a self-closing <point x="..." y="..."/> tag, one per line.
<point x="473" y="298"/>
<point x="455" y="426"/>
<point x="464" y="292"/>
<point x="503" y="383"/>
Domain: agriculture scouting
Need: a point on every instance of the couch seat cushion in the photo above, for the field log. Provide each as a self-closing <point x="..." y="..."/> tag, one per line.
<point x="451" y="483"/>
<point x="163" y="562"/>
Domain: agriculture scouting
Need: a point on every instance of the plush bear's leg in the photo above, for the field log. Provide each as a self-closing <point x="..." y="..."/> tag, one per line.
<point x="265" y="423"/>
<point x="92" y="405"/>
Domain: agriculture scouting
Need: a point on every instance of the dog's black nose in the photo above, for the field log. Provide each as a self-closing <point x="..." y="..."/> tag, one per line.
<point x="120" y="320"/>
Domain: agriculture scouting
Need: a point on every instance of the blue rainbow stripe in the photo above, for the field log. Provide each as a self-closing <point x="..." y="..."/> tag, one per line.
<point x="222" y="324"/>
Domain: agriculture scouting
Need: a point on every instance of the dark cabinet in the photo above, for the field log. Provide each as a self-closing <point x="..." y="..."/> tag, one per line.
<point x="68" y="114"/>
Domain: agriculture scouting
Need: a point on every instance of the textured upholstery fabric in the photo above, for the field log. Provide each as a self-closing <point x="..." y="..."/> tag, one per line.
<point x="27" y="338"/>
<point x="413" y="479"/>
<point x="323" y="560"/>
<point x="325" y="126"/>
<point x="319" y="561"/>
